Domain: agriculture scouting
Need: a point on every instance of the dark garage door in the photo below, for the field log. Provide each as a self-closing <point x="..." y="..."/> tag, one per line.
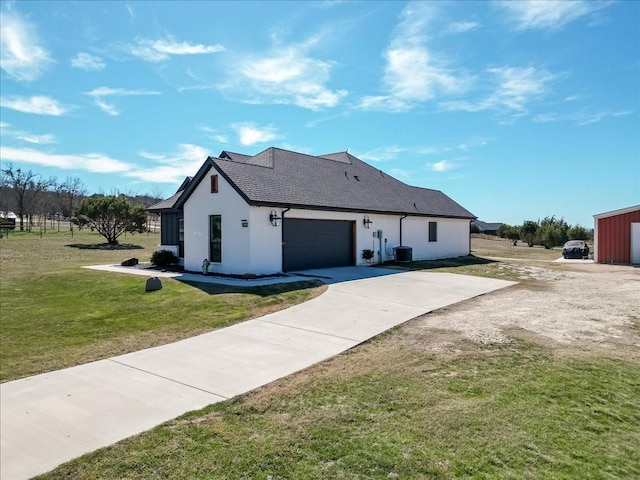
<point x="316" y="244"/>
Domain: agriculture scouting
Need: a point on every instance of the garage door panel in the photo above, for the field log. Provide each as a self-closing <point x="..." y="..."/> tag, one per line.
<point x="317" y="243"/>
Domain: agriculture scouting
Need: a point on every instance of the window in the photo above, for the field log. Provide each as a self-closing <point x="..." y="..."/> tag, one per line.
<point x="181" y="238"/>
<point x="214" y="183"/>
<point x="215" y="238"/>
<point x="433" y="231"/>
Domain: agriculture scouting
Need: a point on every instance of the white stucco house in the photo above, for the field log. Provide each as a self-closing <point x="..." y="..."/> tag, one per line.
<point x="282" y="211"/>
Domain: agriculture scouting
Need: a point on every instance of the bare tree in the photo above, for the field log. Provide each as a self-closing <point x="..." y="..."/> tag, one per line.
<point x="69" y="192"/>
<point x="23" y="185"/>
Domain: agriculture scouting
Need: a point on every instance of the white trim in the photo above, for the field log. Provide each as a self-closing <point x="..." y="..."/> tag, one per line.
<point x="614" y="213"/>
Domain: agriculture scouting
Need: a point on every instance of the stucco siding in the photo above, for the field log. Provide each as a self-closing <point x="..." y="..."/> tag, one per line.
<point x="452" y="237"/>
<point x="235" y="238"/>
<point x="265" y="248"/>
<point x="453" y="234"/>
<point x="257" y="247"/>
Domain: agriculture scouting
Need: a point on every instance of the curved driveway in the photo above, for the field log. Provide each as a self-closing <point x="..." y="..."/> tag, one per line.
<point x="54" y="417"/>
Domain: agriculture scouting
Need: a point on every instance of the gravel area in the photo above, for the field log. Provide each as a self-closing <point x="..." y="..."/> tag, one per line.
<point x="585" y="306"/>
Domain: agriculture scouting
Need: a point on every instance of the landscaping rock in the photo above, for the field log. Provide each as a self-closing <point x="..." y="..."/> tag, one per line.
<point x="153" y="283"/>
<point x="131" y="262"/>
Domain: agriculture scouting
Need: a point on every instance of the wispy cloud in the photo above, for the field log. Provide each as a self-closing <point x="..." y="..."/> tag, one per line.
<point x="287" y="74"/>
<point x="39" y="105"/>
<point x="390" y="153"/>
<point x="165" y="168"/>
<point x="402" y="173"/>
<point x="581" y="118"/>
<point x="28" y="137"/>
<point x="172" y="167"/>
<point x="249" y="133"/>
<point x="215" y="134"/>
<point x="516" y="88"/>
<point x="413" y="73"/>
<point x="91" y="162"/>
<point x="88" y="62"/>
<point x="382" y="154"/>
<point x="132" y="14"/>
<point x="44" y="139"/>
<point x="162" y="49"/>
<point x="100" y="93"/>
<point x="21" y="55"/>
<point x="547" y="14"/>
<point x="462" y="27"/>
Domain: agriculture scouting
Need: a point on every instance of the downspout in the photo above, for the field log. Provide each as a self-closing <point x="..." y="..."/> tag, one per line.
<point x="282" y="233"/>
<point x="402" y="218"/>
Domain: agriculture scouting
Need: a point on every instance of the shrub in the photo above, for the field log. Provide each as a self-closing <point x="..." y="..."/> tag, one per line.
<point x="163" y="258"/>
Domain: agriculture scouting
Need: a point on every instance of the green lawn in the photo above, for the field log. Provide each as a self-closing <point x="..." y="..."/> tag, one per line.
<point x="388" y="410"/>
<point x="411" y="403"/>
<point x="56" y="314"/>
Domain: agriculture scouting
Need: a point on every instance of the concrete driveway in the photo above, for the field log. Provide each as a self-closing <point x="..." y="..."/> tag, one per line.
<point x="51" y="418"/>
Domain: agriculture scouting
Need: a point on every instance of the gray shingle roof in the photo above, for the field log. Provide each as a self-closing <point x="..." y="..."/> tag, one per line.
<point x="168" y="204"/>
<point x="337" y="181"/>
<point x="486" y="225"/>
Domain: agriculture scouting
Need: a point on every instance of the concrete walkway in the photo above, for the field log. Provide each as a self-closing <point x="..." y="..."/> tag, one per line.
<point x="51" y="418"/>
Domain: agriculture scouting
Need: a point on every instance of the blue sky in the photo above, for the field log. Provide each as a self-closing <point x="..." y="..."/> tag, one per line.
<point x="517" y="110"/>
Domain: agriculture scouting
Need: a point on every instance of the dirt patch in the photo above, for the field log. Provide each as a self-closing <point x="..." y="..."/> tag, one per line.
<point x="586" y="307"/>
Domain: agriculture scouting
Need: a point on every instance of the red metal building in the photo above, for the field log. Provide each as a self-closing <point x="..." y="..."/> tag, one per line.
<point x="617" y="236"/>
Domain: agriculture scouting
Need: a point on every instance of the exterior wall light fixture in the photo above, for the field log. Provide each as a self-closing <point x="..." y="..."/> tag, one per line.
<point x="366" y="222"/>
<point x="274" y="218"/>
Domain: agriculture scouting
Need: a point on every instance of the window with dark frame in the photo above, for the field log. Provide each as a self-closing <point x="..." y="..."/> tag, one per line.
<point x="433" y="231"/>
<point x="181" y="238"/>
<point x="214" y="183"/>
<point x="215" y="238"/>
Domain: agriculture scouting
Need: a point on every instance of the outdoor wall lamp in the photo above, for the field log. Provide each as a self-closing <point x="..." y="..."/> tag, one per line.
<point x="274" y="218"/>
<point x="366" y="222"/>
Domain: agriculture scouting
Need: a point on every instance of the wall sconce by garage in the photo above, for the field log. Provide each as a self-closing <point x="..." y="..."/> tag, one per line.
<point x="274" y="218"/>
<point x="366" y="222"/>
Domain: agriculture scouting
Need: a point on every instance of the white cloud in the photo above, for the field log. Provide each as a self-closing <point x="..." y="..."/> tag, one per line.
<point x="399" y="172"/>
<point x="215" y="134"/>
<point x="547" y="14"/>
<point x="47" y="138"/>
<point x="287" y="75"/>
<point x="172" y="167"/>
<point x="516" y="88"/>
<point x="161" y="50"/>
<point x="581" y="118"/>
<point x="382" y="154"/>
<point x="413" y="74"/>
<point x="88" y="62"/>
<point x="119" y="92"/>
<point x="99" y="93"/>
<point x="442" y="166"/>
<point x="21" y="54"/>
<point x="165" y="168"/>
<point x="92" y="162"/>
<point x="39" y="105"/>
<point x="132" y="14"/>
<point x="250" y="133"/>
<point x="462" y="27"/>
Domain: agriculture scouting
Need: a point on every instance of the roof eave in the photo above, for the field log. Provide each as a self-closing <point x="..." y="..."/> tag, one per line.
<point x="261" y="203"/>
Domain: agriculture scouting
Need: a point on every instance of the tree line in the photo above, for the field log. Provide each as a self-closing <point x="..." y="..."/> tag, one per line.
<point x="549" y="232"/>
<point x="34" y="198"/>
